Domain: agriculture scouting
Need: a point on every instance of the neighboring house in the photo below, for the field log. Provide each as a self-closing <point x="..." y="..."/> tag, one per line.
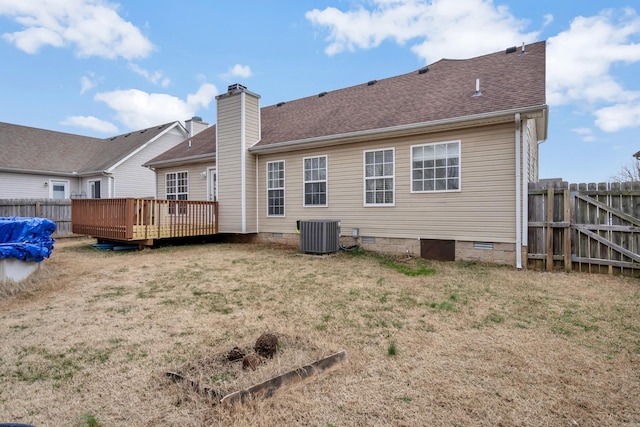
<point x="437" y="160"/>
<point x="39" y="163"/>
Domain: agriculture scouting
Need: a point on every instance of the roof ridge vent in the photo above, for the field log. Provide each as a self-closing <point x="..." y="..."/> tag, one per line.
<point x="280" y="104"/>
<point x="423" y="70"/>
<point x="321" y="94"/>
<point x="371" y="82"/>
<point x="512" y="49"/>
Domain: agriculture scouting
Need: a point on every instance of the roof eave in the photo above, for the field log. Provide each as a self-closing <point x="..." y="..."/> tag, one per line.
<point x="503" y="116"/>
<point x="139" y="148"/>
<point x="38" y="172"/>
<point x="200" y="158"/>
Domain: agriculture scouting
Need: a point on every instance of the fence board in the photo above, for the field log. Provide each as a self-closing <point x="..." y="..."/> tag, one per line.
<point x="58" y="211"/>
<point x="593" y="227"/>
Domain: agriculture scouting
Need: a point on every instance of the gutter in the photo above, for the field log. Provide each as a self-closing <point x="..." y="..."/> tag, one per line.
<point x="401" y="130"/>
<point x="179" y="161"/>
<point x="39" y="172"/>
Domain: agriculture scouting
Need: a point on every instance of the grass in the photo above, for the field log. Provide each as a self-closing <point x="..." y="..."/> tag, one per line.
<point x="428" y="343"/>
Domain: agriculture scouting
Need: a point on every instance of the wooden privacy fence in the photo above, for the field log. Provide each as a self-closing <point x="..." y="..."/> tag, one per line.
<point x="136" y="220"/>
<point x="585" y="227"/>
<point x="58" y="211"/>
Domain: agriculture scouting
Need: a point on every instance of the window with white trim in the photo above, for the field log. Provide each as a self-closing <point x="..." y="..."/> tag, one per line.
<point x="275" y="188"/>
<point x="59" y="189"/>
<point x="435" y="167"/>
<point x="177" y="185"/>
<point x="94" y="188"/>
<point x="315" y="181"/>
<point x="379" y="181"/>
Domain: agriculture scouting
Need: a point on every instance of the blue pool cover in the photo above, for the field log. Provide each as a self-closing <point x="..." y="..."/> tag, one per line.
<point x="26" y="238"/>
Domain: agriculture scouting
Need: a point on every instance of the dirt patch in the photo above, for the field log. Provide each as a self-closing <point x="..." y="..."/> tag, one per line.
<point x="266" y="345"/>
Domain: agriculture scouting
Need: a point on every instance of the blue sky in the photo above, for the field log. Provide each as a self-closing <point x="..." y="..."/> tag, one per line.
<point x="102" y="68"/>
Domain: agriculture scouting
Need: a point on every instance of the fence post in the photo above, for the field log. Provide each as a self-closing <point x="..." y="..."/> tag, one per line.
<point x="567" y="231"/>
<point x="549" y="236"/>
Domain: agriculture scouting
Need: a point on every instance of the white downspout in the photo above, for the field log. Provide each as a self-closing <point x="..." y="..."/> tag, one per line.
<point x="257" y="195"/>
<point x="525" y="186"/>
<point x="518" y="196"/>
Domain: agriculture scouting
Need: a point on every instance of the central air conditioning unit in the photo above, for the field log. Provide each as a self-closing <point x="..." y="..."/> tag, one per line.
<point x="319" y="236"/>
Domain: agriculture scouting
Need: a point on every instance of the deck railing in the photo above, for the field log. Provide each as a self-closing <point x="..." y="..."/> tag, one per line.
<point x="143" y="219"/>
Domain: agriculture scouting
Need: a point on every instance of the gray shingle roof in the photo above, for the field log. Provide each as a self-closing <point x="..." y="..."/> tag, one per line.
<point x="507" y="81"/>
<point x="28" y="148"/>
<point x="443" y="90"/>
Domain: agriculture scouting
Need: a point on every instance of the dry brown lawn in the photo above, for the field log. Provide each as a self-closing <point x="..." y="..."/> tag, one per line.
<point x="89" y="339"/>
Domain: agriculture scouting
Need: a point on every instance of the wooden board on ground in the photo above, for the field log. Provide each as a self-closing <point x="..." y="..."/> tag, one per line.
<point x="304" y="374"/>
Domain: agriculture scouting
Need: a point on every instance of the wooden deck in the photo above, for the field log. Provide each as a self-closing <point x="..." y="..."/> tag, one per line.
<point x="143" y="220"/>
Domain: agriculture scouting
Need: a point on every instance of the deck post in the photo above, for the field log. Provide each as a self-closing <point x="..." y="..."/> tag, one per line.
<point x="129" y="213"/>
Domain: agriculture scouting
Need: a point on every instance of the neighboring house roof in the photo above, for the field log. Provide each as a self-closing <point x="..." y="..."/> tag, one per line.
<point x="201" y="146"/>
<point x="25" y="148"/>
<point x="510" y="81"/>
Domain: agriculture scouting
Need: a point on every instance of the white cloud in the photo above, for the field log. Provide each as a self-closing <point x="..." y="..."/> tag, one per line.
<point x="92" y="27"/>
<point x="137" y="109"/>
<point x="440" y="28"/>
<point x="618" y="117"/>
<point x="90" y="122"/>
<point x="155" y="77"/>
<point x="238" y="70"/>
<point x="580" y="62"/>
<point x="87" y="83"/>
<point x="579" y="59"/>
<point x="586" y="134"/>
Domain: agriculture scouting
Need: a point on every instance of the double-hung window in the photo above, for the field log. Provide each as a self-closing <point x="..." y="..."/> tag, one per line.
<point x="275" y="188"/>
<point x="177" y="184"/>
<point x="435" y="167"/>
<point x="379" y="181"/>
<point x="315" y="181"/>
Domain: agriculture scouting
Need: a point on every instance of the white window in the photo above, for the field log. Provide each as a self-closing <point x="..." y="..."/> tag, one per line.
<point x="212" y="185"/>
<point x="94" y="189"/>
<point x="379" y="182"/>
<point x="435" y="167"/>
<point x="58" y="189"/>
<point x="275" y="188"/>
<point x="177" y="185"/>
<point x="315" y="181"/>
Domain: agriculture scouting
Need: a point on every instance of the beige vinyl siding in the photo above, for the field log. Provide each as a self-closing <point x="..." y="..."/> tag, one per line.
<point x="483" y="210"/>
<point x="197" y="183"/>
<point x="532" y="138"/>
<point x="131" y="179"/>
<point x="31" y="186"/>
<point x="228" y="159"/>
<point x="252" y="136"/>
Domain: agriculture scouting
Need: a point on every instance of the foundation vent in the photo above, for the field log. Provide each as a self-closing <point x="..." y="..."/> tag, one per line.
<point x="319" y="236"/>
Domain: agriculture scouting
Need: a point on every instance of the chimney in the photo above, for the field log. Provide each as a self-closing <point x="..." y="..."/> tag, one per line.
<point x="237" y="129"/>
<point x="195" y="125"/>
